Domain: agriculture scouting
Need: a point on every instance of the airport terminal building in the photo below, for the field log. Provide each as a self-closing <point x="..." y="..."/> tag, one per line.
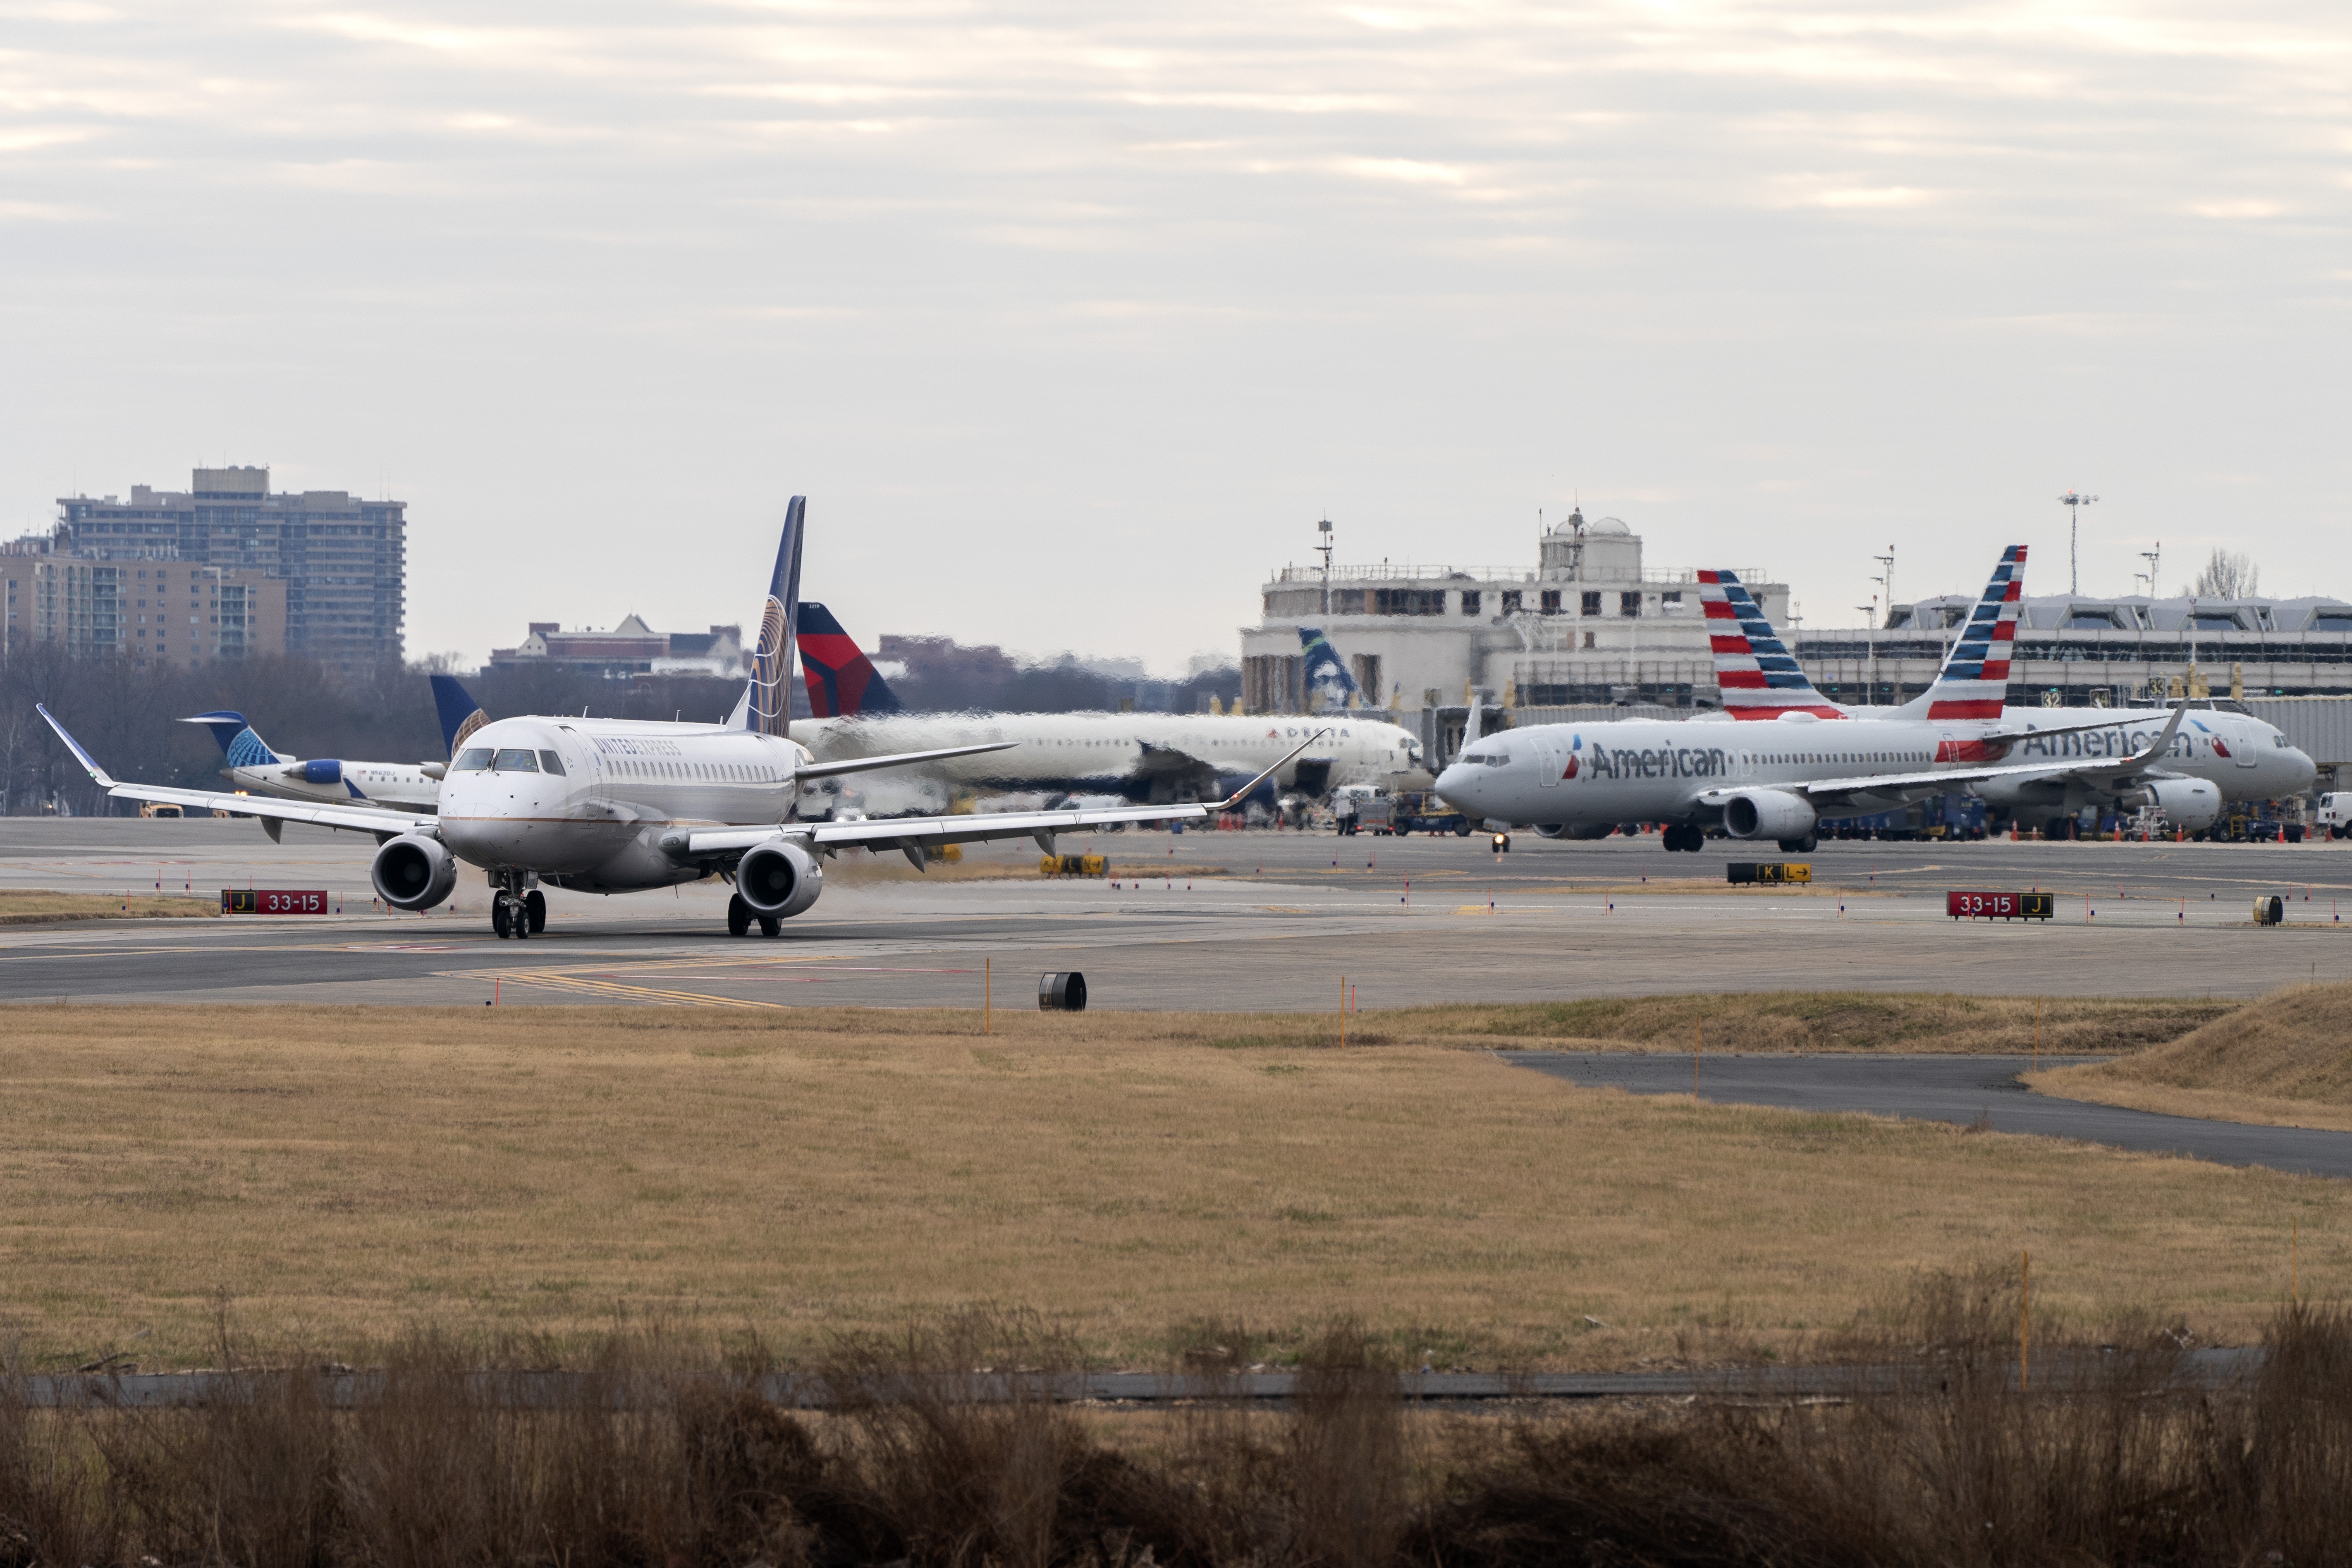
<point x="1588" y="624"/>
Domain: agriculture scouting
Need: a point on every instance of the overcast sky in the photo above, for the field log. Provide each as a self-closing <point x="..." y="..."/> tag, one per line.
<point x="1071" y="319"/>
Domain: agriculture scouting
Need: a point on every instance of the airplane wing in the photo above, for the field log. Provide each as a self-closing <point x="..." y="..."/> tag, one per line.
<point x="909" y="834"/>
<point x="363" y="819"/>
<point x="1896" y="788"/>
<point x="898" y="759"/>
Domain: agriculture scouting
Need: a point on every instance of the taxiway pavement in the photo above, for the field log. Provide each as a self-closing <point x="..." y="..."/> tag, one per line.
<point x="1259" y="922"/>
<point x="1955" y="1088"/>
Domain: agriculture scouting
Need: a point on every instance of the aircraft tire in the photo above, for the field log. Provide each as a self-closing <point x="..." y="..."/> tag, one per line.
<point x="1804" y="845"/>
<point x="502" y="924"/>
<point x="772" y="925"/>
<point x="534" y="904"/>
<point x="739" y="916"/>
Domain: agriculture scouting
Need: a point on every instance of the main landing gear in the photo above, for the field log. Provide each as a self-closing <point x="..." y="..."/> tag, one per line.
<point x="1686" y="835"/>
<point x="516" y="913"/>
<point x="739" y="916"/>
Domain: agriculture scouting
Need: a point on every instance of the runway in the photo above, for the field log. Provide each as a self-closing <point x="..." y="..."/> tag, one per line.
<point x="1284" y="915"/>
<point x="1955" y="1088"/>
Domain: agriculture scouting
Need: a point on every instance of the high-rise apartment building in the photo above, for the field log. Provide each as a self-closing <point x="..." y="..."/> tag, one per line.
<point x="319" y="573"/>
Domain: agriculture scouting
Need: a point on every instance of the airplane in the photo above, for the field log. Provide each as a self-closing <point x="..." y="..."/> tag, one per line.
<point x="1147" y="757"/>
<point x="2242" y="756"/>
<point x="254" y="769"/>
<point x="607" y="805"/>
<point x="1785" y="758"/>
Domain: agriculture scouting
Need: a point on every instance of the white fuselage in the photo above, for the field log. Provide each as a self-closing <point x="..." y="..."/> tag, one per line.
<point x="597" y="826"/>
<point x="1151" y="758"/>
<point x="404" y="786"/>
<point x="1656" y="771"/>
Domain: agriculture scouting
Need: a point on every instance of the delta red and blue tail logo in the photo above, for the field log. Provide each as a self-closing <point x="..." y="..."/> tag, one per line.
<point x="1974" y="681"/>
<point x="842" y="681"/>
<point x="1757" y="675"/>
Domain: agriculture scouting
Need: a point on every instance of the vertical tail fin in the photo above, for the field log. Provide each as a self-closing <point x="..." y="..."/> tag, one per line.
<point x="460" y="715"/>
<point x="1327" y="673"/>
<point x="238" y="743"/>
<point x="1974" y="681"/>
<point x="842" y="681"/>
<point x="770" y="711"/>
<point x="1756" y="674"/>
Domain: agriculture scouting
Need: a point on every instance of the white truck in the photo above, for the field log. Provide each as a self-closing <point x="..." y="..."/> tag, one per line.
<point x="2334" y="813"/>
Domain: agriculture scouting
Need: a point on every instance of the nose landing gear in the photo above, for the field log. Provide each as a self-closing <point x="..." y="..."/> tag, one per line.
<point x="516" y="913"/>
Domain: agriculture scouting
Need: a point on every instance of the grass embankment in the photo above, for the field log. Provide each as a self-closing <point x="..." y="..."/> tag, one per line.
<point x="2284" y="1060"/>
<point x="1760" y="1022"/>
<point x="338" y="1175"/>
<point x="35" y="906"/>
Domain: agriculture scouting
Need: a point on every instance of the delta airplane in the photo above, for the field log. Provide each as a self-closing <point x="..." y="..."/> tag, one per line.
<point x="1152" y="757"/>
<point x="1798" y="760"/>
<point x="603" y="805"/>
<point x="253" y="769"/>
<point x="2243" y="757"/>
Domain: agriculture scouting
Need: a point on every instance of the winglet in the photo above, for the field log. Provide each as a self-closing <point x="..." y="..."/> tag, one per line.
<point x="1243" y="794"/>
<point x="2163" y="743"/>
<point x="97" y="775"/>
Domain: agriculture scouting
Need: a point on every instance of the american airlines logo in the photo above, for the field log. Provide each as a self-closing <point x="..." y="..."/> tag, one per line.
<point x="1657" y="762"/>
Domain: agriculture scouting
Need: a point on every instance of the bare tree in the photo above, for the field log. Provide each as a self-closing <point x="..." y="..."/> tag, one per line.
<point x="2230" y="574"/>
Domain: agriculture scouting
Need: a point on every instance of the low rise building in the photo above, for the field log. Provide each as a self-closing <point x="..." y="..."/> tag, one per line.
<point x="628" y="650"/>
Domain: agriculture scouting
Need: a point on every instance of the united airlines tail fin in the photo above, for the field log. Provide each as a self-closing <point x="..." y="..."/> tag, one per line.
<point x="460" y="714"/>
<point x="842" y="681"/>
<point x="1974" y="681"/>
<point x="769" y="710"/>
<point x="1758" y="678"/>
<point x="238" y="743"/>
<point x="1327" y="673"/>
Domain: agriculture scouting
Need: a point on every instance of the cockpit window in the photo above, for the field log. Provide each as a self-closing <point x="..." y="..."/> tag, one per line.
<point x="472" y="760"/>
<point x="515" y="760"/>
<point x="549" y="762"/>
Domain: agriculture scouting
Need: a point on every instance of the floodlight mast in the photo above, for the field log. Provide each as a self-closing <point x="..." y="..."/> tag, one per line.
<point x="1323" y="528"/>
<point x="2073" y="502"/>
<point x="1885" y="579"/>
<point x="2155" y="559"/>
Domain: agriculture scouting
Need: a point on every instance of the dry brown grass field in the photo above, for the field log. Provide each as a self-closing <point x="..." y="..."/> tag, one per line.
<point x="34" y="907"/>
<point x="334" y="1176"/>
<point x="2285" y="1060"/>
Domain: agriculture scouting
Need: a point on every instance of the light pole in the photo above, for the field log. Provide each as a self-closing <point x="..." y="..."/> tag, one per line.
<point x="2074" y="503"/>
<point x="1886" y="580"/>
<point x="2153" y="558"/>
<point x="1324" y="527"/>
<point x="1870" y="625"/>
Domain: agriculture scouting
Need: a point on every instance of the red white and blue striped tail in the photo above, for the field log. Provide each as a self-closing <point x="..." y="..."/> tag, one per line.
<point x="1974" y="681"/>
<point x="1759" y="677"/>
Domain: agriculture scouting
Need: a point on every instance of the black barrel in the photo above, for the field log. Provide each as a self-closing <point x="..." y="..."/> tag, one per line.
<point x="1064" y="992"/>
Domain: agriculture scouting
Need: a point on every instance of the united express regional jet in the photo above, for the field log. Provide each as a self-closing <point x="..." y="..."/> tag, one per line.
<point x="606" y="806"/>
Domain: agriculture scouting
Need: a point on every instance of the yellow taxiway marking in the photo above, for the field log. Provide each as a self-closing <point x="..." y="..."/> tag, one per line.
<point x="582" y="984"/>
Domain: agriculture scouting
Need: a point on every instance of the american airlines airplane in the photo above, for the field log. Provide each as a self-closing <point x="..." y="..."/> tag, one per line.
<point x="2242" y="756"/>
<point x="606" y="806"/>
<point x="1151" y="757"/>
<point x="253" y="769"/>
<point x="1799" y="758"/>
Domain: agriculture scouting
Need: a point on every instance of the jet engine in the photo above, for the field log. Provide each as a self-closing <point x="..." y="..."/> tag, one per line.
<point x="2191" y="805"/>
<point x="413" y="872"/>
<point x="1768" y="814"/>
<point x="779" y="879"/>
<point x="320" y="771"/>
